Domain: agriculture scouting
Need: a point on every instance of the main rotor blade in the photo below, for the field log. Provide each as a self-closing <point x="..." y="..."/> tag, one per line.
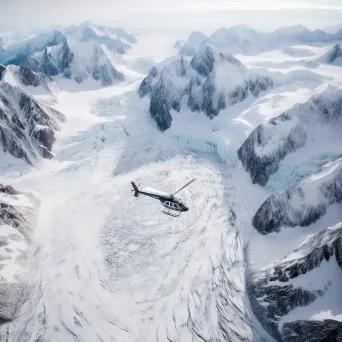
<point x="183" y="186"/>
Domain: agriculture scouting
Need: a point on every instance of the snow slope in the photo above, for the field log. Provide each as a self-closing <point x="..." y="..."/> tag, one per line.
<point x="78" y="61"/>
<point x="301" y="290"/>
<point x="310" y="123"/>
<point x="115" y="39"/>
<point x="108" y="266"/>
<point x="209" y="82"/>
<point x="112" y="267"/>
<point x="16" y="53"/>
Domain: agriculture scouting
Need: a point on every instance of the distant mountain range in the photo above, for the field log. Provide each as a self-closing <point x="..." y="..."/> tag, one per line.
<point x="245" y="40"/>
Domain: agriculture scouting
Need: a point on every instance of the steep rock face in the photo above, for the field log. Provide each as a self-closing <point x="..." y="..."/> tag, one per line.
<point x="17" y="220"/>
<point x="245" y="40"/>
<point x="310" y="273"/>
<point x="209" y="82"/>
<point x="26" y="127"/>
<point x="15" y="54"/>
<point x="23" y="77"/>
<point x="268" y="144"/>
<point x="76" y="60"/>
<point x="304" y="203"/>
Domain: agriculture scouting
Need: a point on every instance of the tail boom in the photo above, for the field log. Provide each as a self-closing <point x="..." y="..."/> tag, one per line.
<point x="136" y="190"/>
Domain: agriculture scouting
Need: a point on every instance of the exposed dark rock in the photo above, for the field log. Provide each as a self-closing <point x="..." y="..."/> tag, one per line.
<point x="64" y="61"/>
<point x="274" y="295"/>
<point x="27" y="128"/>
<point x="294" y="207"/>
<point x="2" y="70"/>
<point x="327" y="330"/>
<point x="268" y="144"/>
<point x="180" y="82"/>
<point x="332" y="56"/>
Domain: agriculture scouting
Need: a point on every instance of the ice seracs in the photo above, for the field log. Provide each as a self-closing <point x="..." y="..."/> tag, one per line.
<point x="209" y="82"/>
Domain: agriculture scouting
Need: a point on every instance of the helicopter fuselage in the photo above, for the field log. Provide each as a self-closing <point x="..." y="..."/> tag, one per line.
<point x="174" y="204"/>
<point x="169" y="202"/>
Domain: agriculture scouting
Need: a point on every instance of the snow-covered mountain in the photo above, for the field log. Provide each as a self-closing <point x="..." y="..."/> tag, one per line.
<point x="317" y="121"/>
<point x="16" y="53"/>
<point x="209" y="82"/>
<point x="28" y="80"/>
<point x="27" y="128"/>
<point x="190" y="47"/>
<point x="115" y="39"/>
<point x="76" y="60"/>
<point x="18" y="215"/>
<point x="298" y="298"/>
<point x="304" y="203"/>
<point x="245" y="40"/>
<point x="332" y="56"/>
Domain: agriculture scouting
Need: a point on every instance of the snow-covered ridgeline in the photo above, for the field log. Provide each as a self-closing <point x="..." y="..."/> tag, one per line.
<point x="209" y="82"/>
<point x="319" y="119"/>
<point x="304" y="203"/>
<point x="290" y="296"/>
<point x="27" y="129"/>
<point x="245" y="40"/>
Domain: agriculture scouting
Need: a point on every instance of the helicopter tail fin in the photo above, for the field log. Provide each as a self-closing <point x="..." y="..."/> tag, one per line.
<point x="136" y="190"/>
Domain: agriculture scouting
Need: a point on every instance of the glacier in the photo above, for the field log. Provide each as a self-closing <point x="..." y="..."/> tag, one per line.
<point x="256" y="258"/>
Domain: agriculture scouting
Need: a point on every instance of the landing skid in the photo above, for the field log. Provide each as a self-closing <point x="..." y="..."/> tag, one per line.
<point x="170" y="212"/>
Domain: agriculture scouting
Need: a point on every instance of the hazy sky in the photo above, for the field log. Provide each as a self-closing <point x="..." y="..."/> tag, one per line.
<point x="170" y="14"/>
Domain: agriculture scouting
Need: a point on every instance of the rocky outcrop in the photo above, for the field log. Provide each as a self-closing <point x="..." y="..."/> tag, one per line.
<point x="268" y="144"/>
<point x="277" y="290"/>
<point x="209" y="82"/>
<point x="75" y="60"/>
<point x="27" y="128"/>
<point x="23" y="77"/>
<point x="304" y="203"/>
<point x="17" y="221"/>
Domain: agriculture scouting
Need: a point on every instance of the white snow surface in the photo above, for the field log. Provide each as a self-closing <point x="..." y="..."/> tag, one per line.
<point x="110" y="267"/>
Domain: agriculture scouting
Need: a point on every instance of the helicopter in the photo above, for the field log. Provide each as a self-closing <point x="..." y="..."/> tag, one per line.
<point x="173" y="206"/>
